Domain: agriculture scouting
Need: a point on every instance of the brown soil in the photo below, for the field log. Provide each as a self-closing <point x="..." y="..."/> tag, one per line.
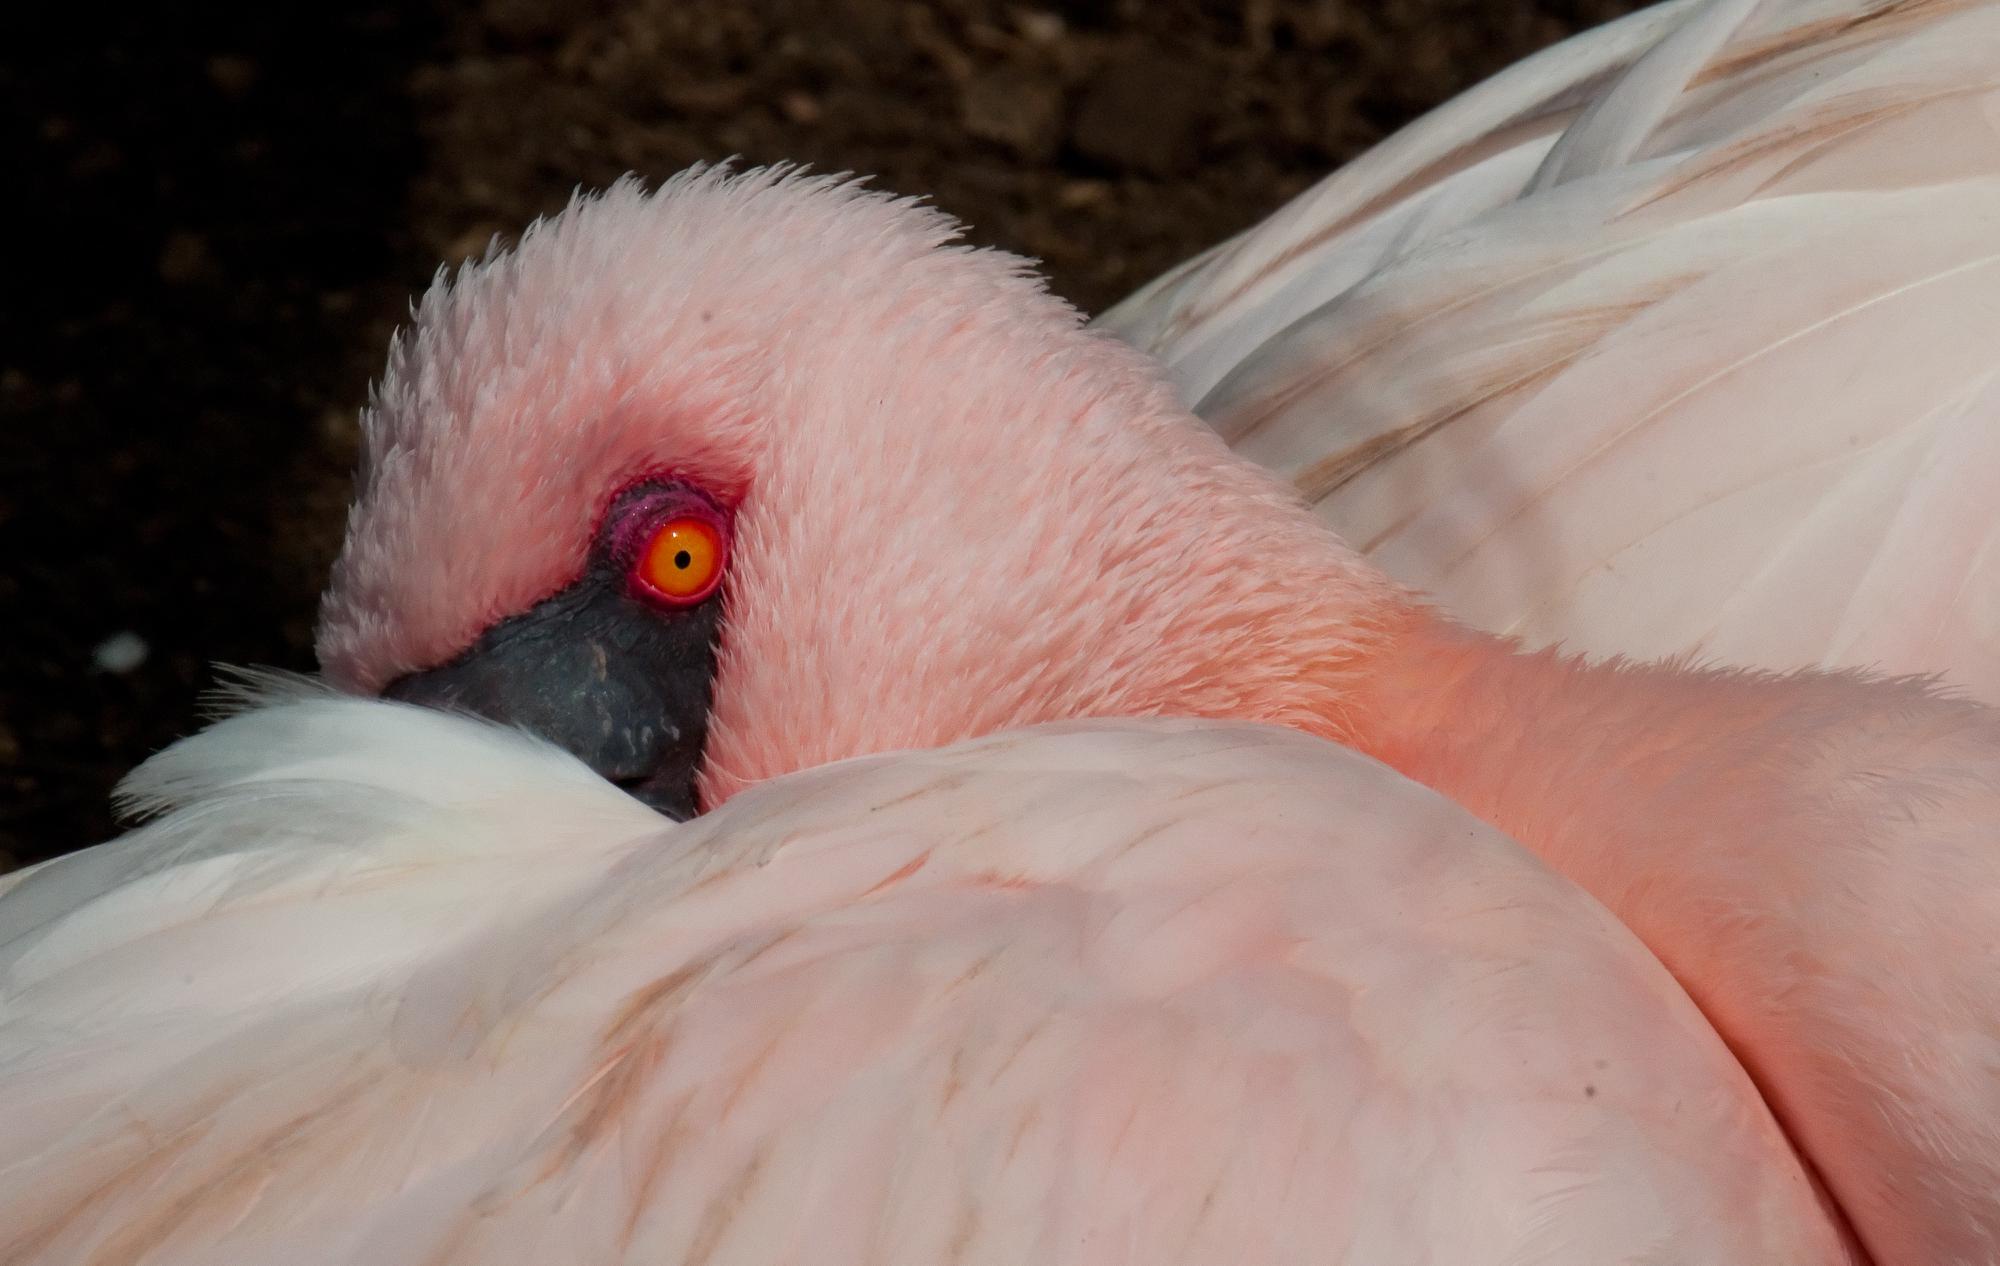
<point x="226" y="213"/>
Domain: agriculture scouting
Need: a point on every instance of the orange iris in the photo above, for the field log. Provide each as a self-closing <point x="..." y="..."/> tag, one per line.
<point x="683" y="561"/>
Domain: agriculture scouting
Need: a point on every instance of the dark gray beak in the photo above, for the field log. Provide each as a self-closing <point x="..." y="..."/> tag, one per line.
<point x="620" y="683"/>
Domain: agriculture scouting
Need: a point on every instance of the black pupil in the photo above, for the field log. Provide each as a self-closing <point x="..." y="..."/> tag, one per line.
<point x="683" y="559"/>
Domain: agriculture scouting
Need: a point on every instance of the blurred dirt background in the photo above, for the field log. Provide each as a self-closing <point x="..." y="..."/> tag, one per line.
<point x="227" y="207"/>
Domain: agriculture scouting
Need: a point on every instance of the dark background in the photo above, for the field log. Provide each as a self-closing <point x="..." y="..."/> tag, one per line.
<point x="228" y="207"/>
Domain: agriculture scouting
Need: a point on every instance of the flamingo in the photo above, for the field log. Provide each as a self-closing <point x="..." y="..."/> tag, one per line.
<point x="755" y="473"/>
<point x="1675" y="339"/>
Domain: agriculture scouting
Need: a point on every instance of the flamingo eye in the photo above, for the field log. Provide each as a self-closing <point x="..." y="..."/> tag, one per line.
<point x="682" y="563"/>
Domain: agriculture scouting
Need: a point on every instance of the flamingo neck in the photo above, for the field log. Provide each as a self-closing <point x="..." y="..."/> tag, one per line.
<point x="1638" y="781"/>
<point x="1467" y="714"/>
<point x="1604" y="770"/>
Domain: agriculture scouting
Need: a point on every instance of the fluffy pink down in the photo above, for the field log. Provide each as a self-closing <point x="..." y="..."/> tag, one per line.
<point x="956" y="510"/>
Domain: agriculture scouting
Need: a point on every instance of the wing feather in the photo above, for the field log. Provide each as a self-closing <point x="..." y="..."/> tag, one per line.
<point x="1717" y="380"/>
<point x="395" y="987"/>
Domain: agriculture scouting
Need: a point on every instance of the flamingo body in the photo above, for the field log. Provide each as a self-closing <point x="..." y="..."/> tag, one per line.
<point x="398" y="987"/>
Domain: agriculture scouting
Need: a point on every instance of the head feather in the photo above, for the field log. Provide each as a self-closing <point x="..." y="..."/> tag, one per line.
<point x="956" y="509"/>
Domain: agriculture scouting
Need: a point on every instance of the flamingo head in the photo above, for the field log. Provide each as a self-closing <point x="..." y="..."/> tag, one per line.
<point x="761" y="470"/>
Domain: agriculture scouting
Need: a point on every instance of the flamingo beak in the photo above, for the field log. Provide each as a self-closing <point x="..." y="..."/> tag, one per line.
<point x="618" y="683"/>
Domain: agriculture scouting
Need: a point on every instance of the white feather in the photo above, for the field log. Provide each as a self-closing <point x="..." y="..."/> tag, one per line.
<point x="389" y="986"/>
<point x="1710" y="370"/>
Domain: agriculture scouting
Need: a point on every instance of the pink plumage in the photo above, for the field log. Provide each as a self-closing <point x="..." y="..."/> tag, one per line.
<point x="484" y="1006"/>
